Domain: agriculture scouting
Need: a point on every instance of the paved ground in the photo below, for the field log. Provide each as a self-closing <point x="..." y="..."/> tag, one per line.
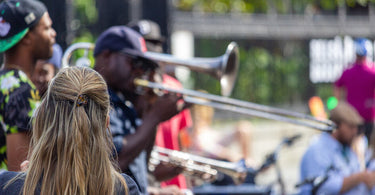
<point x="266" y="136"/>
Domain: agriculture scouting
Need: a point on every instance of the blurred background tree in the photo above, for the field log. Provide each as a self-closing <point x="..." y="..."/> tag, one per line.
<point x="268" y="74"/>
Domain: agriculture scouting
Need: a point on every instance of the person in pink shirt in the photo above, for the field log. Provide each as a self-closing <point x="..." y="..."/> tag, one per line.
<point x="169" y="133"/>
<point x="357" y="84"/>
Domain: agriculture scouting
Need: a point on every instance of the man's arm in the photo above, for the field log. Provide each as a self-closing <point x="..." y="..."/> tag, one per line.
<point x="163" y="109"/>
<point x="315" y="164"/>
<point x="353" y="180"/>
<point x="17" y="149"/>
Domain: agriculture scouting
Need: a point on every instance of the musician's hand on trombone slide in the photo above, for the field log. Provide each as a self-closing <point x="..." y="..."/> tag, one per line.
<point x="166" y="106"/>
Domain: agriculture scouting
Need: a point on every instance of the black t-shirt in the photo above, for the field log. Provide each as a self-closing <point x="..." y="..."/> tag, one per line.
<point x="15" y="187"/>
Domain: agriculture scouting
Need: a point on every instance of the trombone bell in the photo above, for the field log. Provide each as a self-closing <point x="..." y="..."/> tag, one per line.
<point x="224" y="67"/>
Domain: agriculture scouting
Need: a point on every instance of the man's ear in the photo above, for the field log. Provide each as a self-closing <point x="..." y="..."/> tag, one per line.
<point x="27" y="39"/>
<point x="105" y="53"/>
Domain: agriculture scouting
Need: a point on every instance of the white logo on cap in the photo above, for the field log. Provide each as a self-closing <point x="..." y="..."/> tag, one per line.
<point x="4" y="27"/>
<point x="30" y="18"/>
<point x="145" y="27"/>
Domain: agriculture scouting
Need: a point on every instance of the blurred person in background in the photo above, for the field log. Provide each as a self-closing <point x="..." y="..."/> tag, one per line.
<point x="330" y="159"/>
<point x="356" y="85"/>
<point x="119" y="58"/>
<point x="26" y="35"/>
<point x="45" y="70"/>
<point x="169" y="132"/>
<point x="211" y="143"/>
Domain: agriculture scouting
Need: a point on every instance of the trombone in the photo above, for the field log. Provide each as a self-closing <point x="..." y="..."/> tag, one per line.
<point x="224" y="68"/>
<point x="194" y="165"/>
<point x="243" y="107"/>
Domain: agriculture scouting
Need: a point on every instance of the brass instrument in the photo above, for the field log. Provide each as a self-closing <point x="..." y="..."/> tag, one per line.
<point x="243" y="107"/>
<point x="194" y="165"/>
<point x="82" y="61"/>
<point x="223" y="68"/>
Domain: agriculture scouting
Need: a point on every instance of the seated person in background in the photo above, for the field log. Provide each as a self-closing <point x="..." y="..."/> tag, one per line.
<point x="45" y="70"/>
<point x="331" y="156"/>
<point x="71" y="143"/>
<point x="213" y="144"/>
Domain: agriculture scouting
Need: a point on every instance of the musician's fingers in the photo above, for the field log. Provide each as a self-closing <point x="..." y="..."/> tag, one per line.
<point x="180" y="105"/>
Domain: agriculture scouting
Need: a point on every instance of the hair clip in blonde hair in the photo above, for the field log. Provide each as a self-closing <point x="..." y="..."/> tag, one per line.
<point x="82" y="100"/>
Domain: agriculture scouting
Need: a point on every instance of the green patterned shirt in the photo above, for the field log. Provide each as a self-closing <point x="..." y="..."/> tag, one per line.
<point x="18" y="100"/>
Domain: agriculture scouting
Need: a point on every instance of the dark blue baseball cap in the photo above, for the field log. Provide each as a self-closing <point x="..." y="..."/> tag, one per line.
<point x="16" y="18"/>
<point x="126" y="40"/>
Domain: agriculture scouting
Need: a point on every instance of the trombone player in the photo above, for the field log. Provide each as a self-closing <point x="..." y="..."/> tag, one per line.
<point x="119" y="59"/>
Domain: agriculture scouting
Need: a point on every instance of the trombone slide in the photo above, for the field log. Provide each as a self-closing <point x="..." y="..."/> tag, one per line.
<point x="243" y="107"/>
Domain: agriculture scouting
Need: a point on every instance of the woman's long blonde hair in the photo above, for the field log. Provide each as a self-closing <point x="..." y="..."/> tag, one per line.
<point x="71" y="146"/>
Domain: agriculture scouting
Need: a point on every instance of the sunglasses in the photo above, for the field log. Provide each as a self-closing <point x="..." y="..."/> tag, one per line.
<point x="141" y="63"/>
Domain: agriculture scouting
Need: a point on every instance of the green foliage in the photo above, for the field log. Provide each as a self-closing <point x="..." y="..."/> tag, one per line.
<point x="184" y="5"/>
<point x="328" y="5"/>
<point x="253" y="79"/>
<point x="281" y="7"/>
<point x="256" y="6"/>
<point x="352" y="3"/>
<point x="86" y="11"/>
<point x="324" y="90"/>
<point x="222" y="6"/>
<point x="85" y="36"/>
<point x="265" y="76"/>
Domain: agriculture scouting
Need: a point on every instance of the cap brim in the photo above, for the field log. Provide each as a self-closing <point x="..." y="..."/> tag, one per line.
<point x="6" y="44"/>
<point x="159" y="40"/>
<point x="139" y="55"/>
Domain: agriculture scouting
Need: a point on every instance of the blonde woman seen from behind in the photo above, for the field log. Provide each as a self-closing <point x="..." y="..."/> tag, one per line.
<point x="71" y="146"/>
